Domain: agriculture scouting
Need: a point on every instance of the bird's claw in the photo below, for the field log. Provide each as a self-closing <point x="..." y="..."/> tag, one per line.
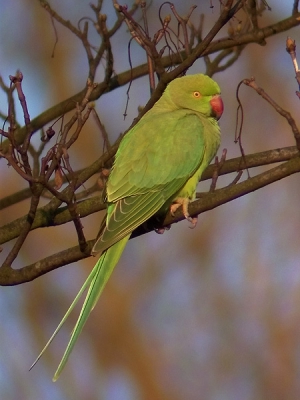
<point x="160" y="231"/>
<point x="184" y="202"/>
<point x="192" y="220"/>
<point x="174" y="207"/>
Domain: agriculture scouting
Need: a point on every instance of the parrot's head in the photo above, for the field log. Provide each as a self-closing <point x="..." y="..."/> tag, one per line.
<point x="198" y="93"/>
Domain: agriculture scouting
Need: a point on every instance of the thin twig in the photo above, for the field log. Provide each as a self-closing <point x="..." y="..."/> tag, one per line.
<point x="217" y="168"/>
<point x="291" y="49"/>
<point x="251" y="82"/>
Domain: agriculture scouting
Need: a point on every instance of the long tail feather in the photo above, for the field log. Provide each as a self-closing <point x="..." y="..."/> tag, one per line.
<point x="103" y="270"/>
<point x="96" y="282"/>
<point x="79" y="294"/>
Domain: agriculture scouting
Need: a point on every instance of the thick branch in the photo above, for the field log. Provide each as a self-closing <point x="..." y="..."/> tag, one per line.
<point x="211" y="200"/>
<point x="9" y="276"/>
<point x="45" y="216"/>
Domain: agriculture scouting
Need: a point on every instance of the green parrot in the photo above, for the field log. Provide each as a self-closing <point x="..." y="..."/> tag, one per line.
<point x="157" y="168"/>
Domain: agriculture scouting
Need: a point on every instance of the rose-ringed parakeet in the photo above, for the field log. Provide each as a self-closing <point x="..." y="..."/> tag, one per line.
<point x="157" y="167"/>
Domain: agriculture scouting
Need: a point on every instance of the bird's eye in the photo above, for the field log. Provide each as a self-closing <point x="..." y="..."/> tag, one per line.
<point x="196" y="95"/>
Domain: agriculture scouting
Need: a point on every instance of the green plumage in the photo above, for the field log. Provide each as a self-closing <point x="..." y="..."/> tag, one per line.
<point x="158" y="164"/>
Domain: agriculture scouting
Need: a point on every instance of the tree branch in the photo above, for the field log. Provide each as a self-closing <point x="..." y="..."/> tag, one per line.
<point x="208" y="201"/>
<point x="46" y="216"/>
<point x="125" y="77"/>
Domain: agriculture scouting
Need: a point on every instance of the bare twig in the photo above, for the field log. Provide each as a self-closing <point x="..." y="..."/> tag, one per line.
<point x="251" y="82"/>
<point x="239" y="127"/>
<point x="103" y="132"/>
<point x="295" y="7"/>
<point x="217" y="168"/>
<point x="291" y="49"/>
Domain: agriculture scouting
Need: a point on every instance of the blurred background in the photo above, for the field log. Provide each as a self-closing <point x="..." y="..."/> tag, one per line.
<point x="211" y="313"/>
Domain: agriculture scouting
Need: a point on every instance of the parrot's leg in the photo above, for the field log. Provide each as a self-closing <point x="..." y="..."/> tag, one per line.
<point x="184" y="202"/>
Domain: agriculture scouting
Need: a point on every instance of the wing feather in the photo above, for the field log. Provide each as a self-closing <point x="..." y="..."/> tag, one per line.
<point x="142" y="181"/>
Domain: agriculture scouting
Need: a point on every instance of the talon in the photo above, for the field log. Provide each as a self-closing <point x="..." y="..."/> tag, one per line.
<point x="184" y="202"/>
<point x="160" y="231"/>
<point x="174" y="207"/>
<point x="192" y="220"/>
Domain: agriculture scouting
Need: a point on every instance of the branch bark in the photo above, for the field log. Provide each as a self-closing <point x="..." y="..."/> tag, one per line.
<point x="208" y="201"/>
<point x="46" y="216"/>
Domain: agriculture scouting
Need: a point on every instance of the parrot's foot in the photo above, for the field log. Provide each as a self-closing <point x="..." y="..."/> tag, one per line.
<point x="160" y="231"/>
<point x="193" y="221"/>
<point x="184" y="202"/>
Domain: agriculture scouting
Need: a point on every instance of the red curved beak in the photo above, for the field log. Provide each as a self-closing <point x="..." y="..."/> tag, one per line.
<point x="217" y="106"/>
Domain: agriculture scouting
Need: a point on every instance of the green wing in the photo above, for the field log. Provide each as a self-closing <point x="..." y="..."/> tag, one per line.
<point x="150" y="169"/>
